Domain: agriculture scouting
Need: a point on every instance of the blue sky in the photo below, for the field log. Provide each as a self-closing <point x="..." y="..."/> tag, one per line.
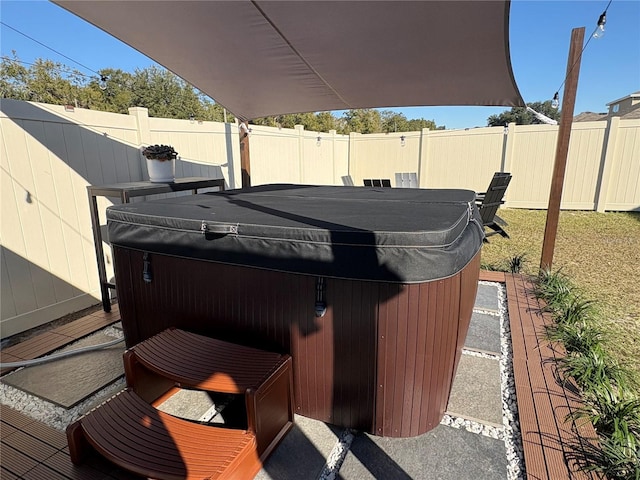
<point x="540" y="31"/>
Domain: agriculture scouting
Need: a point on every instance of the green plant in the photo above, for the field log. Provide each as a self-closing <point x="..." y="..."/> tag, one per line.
<point x="160" y="152"/>
<point x="516" y="263"/>
<point x="579" y="337"/>
<point x="555" y="288"/>
<point x="573" y="308"/>
<point x="616" y="460"/>
<point x="592" y="370"/>
<point x="609" y="400"/>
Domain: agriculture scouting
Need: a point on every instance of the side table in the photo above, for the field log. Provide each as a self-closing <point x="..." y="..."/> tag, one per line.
<point x="126" y="191"/>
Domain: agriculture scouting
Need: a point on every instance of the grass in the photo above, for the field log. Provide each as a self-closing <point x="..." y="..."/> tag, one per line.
<point x="600" y="252"/>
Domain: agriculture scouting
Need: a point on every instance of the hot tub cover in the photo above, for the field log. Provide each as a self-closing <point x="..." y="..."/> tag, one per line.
<point x="376" y="234"/>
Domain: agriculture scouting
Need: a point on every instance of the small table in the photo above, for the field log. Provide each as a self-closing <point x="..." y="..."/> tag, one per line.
<point x="126" y="191"/>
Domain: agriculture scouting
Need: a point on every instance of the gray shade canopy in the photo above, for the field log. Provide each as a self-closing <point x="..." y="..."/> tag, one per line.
<point x="260" y="58"/>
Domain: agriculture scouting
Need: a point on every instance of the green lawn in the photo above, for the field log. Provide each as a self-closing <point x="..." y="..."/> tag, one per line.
<point x="600" y="252"/>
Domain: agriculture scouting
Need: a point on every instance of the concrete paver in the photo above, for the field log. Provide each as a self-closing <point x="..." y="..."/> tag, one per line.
<point x="303" y="452"/>
<point x="444" y="453"/>
<point x="484" y="333"/>
<point x="476" y="392"/>
<point x="487" y="298"/>
<point x="76" y="377"/>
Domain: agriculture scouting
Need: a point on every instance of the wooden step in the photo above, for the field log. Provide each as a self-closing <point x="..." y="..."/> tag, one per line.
<point x="135" y="436"/>
<point x="196" y="361"/>
<point x="176" y="358"/>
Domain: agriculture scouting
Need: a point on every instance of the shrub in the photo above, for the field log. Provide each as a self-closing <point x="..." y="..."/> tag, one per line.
<point x="609" y="402"/>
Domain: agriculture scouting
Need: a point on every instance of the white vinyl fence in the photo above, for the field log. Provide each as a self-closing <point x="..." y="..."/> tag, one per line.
<point x="50" y="154"/>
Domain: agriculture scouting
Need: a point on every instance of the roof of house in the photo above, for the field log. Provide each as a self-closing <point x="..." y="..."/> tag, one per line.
<point x="632" y="95"/>
<point x="589" y="117"/>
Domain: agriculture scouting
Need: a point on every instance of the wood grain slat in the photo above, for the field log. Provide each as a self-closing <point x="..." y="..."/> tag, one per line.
<point x="148" y="442"/>
<point x="7" y="475"/>
<point x="37" y="346"/>
<point x="30" y="446"/>
<point x="14" y="418"/>
<point x="85" y="326"/>
<point x="6" y="430"/>
<point x="51" y="436"/>
<point x="42" y="472"/>
<point x="491" y="276"/>
<point x="61" y="463"/>
<point x="15" y="461"/>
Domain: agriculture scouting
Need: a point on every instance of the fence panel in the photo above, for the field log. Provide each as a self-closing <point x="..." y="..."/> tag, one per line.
<point x="383" y="155"/>
<point x="49" y="154"/>
<point x="624" y="183"/>
<point x="462" y="158"/>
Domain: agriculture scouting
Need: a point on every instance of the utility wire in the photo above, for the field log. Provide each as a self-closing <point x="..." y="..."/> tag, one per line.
<point x="46" y="46"/>
<point x="58" y="69"/>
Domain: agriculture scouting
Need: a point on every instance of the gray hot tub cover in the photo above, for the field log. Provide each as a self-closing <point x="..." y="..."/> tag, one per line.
<point x="375" y="234"/>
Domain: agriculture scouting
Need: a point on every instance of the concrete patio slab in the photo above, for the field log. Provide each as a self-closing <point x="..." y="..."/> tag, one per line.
<point x="476" y="391"/>
<point x="68" y="381"/>
<point x="487" y="298"/>
<point x="303" y="452"/>
<point x="484" y="333"/>
<point x="444" y="453"/>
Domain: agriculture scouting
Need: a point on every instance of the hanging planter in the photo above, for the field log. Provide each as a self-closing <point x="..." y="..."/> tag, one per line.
<point x="161" y="163"/>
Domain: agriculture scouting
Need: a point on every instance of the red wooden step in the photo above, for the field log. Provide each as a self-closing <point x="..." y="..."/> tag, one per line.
<point x="177" y="358"/>
<point x="205" y="363"/>
<point x="135" y="436"/>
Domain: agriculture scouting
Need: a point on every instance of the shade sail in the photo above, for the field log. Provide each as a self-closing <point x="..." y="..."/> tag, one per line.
<point x="260" y="58"/>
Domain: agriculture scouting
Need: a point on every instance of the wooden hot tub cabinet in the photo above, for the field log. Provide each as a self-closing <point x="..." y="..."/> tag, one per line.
<point x="381" y="360"/>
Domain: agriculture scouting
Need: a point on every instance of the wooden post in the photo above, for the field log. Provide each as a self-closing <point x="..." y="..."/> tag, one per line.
<point x="562" y="147"/>
<point x="245" y="159"/>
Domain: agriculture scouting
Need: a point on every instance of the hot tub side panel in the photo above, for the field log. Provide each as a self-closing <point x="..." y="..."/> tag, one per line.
<point x="381" y="360"/>
<point x="333" y="356"/>
<point x="422" y="328"/>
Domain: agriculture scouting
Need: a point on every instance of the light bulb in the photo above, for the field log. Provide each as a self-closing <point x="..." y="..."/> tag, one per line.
<point x="103" y="82"/>
<point x="599" y="33"/>
<point x="555" y="103"/>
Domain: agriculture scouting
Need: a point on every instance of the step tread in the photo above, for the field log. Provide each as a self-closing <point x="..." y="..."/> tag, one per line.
<point x="134" y="435"/>
<point x="206" y="363"/>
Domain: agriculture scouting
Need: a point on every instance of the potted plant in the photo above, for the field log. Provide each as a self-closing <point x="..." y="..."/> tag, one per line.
<point x="160" y="162"/>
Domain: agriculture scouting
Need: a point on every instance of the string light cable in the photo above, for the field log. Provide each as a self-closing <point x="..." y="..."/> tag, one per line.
<point x="598" y="32"/>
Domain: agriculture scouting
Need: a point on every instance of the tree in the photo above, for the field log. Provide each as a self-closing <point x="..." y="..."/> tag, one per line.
<point x="167" y="95"/>
<point x="44" y="81"/>
<point x="112" y="90"/>
<point x="397" y="122"/>
<point x="522" y="116"/>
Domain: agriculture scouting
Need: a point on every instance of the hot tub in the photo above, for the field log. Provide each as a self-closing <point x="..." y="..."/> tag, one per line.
<point x="370" y="290"/>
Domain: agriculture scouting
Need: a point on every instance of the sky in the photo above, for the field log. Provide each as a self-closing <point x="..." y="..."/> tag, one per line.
<point x="540" y="31"/>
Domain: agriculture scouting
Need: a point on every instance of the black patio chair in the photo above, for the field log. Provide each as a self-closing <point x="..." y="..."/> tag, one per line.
<point x="488" y="203"/>
<point x="382" y="182"/>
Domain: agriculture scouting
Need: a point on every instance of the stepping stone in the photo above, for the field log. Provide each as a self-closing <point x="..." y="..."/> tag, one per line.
<point x="68" y="381"/>
<point x="188" y="404"/>
<point x="476" y="393"/>
<point x="487" y="298"/>
<point x="444" y="453"/>
<point x="302" y="453"/>
<point x="484" y="333"/>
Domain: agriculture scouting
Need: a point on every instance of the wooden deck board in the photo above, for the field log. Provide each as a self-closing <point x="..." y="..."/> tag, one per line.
<point x="551" y="444"/>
